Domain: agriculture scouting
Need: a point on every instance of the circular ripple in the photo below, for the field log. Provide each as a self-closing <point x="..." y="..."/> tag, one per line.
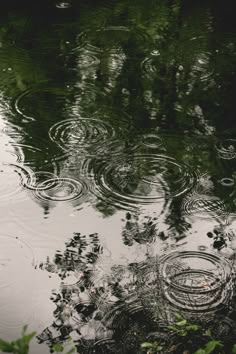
<point x="111" y="38"/>
<point x="42" y="100"/>
<point x="86" y="59"/>
<point x="63" y="4"/>
<point x="152" y="140"/>
<point x="226" y="149"/>
<point x="203" y="206"/>
<point x="16" y="257"/>
<point x="227" y="182"/>
<point x="37" y="180"/>
<point x="201" y="67"/>
<point x="94" y="135"/>
<point x="140" y="179"/>
<point x="13" y="179"/>
<point x="195" y="281"/>
<point x="61" y="189"/>
<point x="30" y="102"/>
<point x="80" y="133"/>
<point x="151" y="64"/>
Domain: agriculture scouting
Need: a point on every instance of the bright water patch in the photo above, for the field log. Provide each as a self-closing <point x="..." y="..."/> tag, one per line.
<point x="13" y="179"/>
<point x="15" y="255"/>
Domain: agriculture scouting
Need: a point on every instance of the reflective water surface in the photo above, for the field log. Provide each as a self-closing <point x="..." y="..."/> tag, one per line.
<point x="117" y="169"/>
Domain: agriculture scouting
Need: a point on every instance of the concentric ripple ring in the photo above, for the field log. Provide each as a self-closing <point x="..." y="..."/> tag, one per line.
<point x="140" y="179"/>
<point x="61" y="189"/>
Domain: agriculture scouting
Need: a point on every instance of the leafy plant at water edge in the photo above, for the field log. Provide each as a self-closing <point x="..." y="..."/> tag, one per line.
<point x="185" y="336"/>
<point x="21" y="345"/>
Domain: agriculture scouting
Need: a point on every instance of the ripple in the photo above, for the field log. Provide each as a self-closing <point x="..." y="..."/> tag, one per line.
<point x="80" y="133"/>
<point x="111" y="38"/>
<point x="86" y="59"/>
<point x="63" y="4"/>
<point x="37" y="103"/>
<point x="16" y="258"/>
<point x="203" y="206"/>
<point x="227" y="182"/>
<point x="13" y="179"/>
<point x="140" y="179"/>
<point x="201" y="67"/>
<point x="195" y="281"/>
<point x="30" y="102"/>
<point x="151" y="64"/>
<point x="226" y="149"/>
<point x="37" y="180"/>
<point x="94" y="135"/>
<point x="61" y="190"/>
<point x="152" y="141"/>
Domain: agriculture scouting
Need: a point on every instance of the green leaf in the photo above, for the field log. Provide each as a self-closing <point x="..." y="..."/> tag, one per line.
<point x="234" y="349"/>
<point x="207" y="333"/>
<point x="6" y="346"/>
<point x="193" y="328"/>
<point x="179" y="317"/>
<point x="181" y="323"/>
<point x="24" y="329"/>
<point x="212" y="345"/>
<point x="58" y="348"/>
<point x="200" y="351"/>
<point x="147" y="345"/>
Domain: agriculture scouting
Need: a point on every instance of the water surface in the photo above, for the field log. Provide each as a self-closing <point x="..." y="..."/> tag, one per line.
<point x="117" y="169"/>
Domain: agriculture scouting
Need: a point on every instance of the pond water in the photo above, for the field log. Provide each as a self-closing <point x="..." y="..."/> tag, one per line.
<point x="117" y="169"/>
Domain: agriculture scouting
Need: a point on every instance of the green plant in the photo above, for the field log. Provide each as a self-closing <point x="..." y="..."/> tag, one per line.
<point x="182" y="327"/>
<point x="19" y="346"/>
<point x="67" y="348"/>
<point x="184" y="336"/>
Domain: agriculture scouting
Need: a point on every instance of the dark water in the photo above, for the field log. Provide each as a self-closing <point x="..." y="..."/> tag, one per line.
<point x="118" y="169"/>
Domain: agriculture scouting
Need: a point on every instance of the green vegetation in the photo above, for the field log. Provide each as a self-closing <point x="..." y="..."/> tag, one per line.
<point x="183" y="337"/>
<point x="21" y="345"/>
